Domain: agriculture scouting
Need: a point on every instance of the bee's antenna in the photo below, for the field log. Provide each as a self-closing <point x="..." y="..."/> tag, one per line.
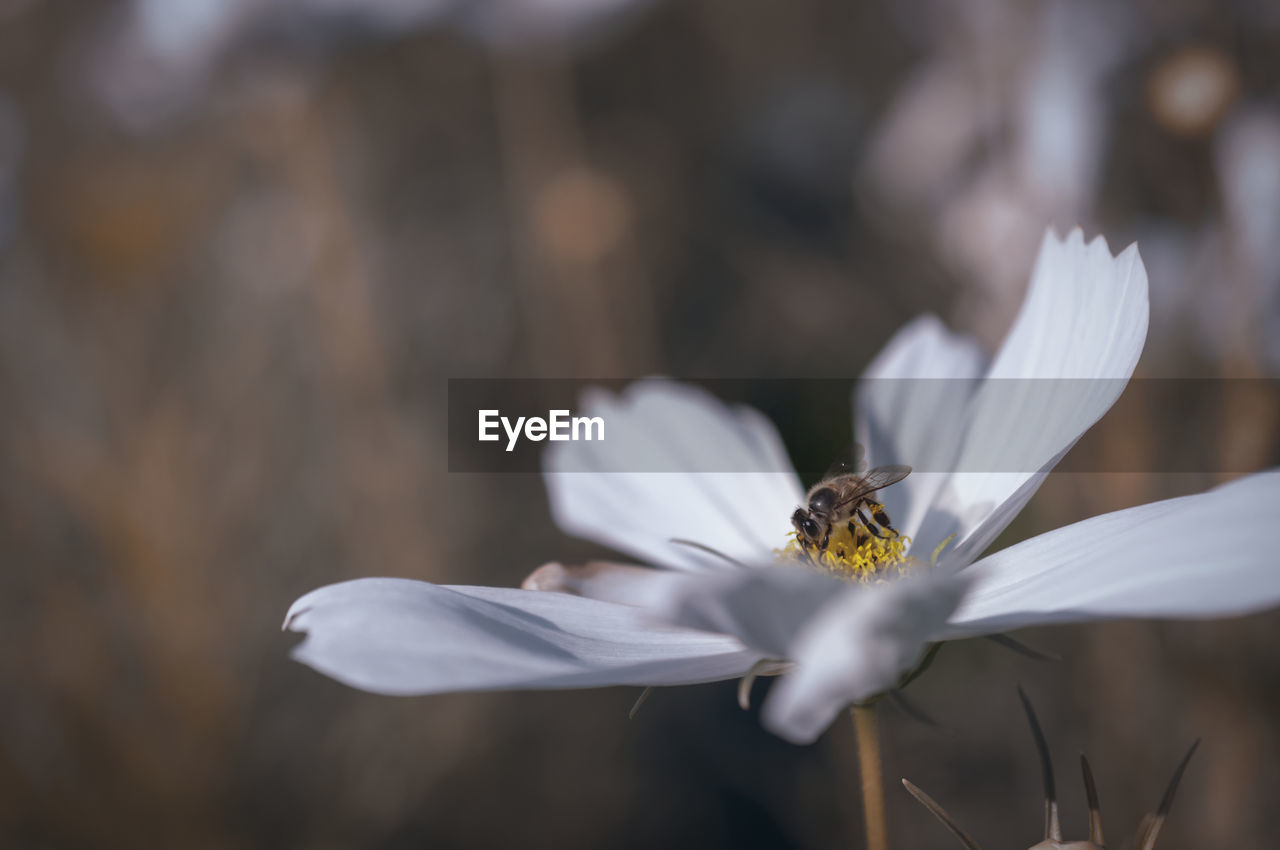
<point x="1052" y="829"/>
<point x="1149" y="830"/>
<point x="1095" y="813"/>
<point x="941" y="814"/>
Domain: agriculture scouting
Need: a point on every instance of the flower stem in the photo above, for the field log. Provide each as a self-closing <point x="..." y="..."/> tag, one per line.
<point x="867" y="730"/>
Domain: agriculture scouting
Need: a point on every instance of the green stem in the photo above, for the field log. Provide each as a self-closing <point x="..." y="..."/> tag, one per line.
<point x="866" y="727"/>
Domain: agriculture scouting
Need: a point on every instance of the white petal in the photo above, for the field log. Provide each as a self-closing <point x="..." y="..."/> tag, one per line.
<point x="1208" y="555"/>
<point x="764" y="608"/>
<point x="858" y="647"/>
<point x="910" y="408"/>
<point x="1066" y="360"/>
<point x="396" y="636"/>
<point x="675" y="463"/>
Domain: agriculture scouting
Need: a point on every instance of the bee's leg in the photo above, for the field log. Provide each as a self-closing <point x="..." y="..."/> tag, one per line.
<point x="871" y="526"/>
<point x="809" y="550"/>
<point x="882" y="517"/>
<point x="859" y="532"/>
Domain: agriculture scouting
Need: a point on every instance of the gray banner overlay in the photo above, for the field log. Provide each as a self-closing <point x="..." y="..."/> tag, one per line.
<point x="1199" y="425"/>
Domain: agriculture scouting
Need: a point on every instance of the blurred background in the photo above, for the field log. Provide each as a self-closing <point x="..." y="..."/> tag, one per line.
<point x="244" y="243"/>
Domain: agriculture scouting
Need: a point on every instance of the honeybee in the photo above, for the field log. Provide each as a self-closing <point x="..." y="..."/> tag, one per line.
<point x="845" y="497"/>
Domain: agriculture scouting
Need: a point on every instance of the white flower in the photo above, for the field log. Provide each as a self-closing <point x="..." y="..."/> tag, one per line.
<point x="663" y="481"/>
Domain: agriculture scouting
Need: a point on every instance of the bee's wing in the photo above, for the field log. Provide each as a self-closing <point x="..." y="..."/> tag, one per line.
<point x="851" y="461"/>
<point x="876" y="479"/>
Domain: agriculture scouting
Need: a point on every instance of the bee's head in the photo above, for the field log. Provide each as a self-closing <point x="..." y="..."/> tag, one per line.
<point x="808" y="527"/>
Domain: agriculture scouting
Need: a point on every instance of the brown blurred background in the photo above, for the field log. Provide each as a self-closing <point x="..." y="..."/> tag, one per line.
<point x="243" y="244"/>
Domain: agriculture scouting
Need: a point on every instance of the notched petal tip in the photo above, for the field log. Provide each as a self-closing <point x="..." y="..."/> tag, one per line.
<point x="1076" y="241"/>
<point x="1075" y="235"/>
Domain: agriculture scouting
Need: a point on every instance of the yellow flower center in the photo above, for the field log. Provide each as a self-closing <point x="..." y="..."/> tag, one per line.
<point x="855" y="555"/>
